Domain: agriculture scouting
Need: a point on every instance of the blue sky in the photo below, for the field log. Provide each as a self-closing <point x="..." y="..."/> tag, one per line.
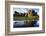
<point x="24" y="10"/>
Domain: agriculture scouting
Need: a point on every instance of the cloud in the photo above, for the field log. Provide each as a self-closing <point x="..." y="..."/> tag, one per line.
<point x="22" y="10"/>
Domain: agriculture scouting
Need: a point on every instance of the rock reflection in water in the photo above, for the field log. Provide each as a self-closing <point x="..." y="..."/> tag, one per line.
<point x="26" y="23"/>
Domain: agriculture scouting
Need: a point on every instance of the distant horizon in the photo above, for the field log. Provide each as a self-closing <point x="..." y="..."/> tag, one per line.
<point x="25" y="10"/>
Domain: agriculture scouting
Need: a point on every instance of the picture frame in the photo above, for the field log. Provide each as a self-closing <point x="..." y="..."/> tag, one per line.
<point x="9" y="4"/>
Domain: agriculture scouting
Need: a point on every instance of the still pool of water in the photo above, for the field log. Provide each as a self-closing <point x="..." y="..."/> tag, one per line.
<point x="25" y="23"/>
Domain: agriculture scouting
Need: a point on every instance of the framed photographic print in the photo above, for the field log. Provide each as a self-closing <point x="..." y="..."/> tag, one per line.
<point x="24" y="17"/>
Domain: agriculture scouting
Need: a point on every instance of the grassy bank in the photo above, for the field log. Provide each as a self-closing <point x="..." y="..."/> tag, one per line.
<point x="26" y="18"/>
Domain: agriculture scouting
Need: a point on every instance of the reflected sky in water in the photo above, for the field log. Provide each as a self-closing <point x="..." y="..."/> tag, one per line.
<point x="21" y="24"/>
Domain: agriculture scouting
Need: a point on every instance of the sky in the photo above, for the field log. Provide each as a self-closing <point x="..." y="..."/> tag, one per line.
<point x="25" y="10"/>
